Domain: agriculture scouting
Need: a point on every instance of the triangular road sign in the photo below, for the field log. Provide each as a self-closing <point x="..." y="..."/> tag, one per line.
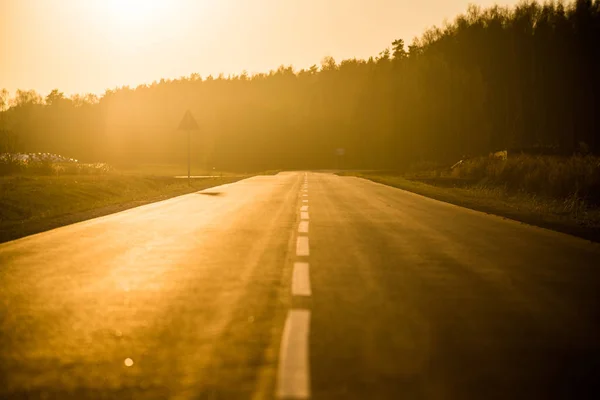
<point x="188" y="122"/>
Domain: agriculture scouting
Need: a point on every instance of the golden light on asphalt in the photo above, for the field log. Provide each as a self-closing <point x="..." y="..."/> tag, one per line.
<point x="128" y="362"/>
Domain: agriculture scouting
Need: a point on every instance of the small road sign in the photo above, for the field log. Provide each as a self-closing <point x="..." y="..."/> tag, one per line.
<point x="188" y="123"/>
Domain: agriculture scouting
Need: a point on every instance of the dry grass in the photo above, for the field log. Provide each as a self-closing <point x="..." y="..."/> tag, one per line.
<point x="575" y="179"/>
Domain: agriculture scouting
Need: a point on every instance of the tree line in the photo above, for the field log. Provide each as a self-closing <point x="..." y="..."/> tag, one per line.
<point x="493" y="79"/>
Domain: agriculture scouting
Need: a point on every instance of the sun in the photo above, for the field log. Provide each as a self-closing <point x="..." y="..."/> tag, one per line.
<point x="136" y="12"/>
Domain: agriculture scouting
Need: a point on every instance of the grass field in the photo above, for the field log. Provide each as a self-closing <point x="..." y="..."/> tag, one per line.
<point x="167" y="170"/>
<point x="178" y="170"/>
<point x="31" y="204"/>
<point x="565" y="215"/>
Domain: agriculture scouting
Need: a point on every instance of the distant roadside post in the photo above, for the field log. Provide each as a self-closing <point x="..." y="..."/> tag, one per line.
<point x="339" y="152"/>
<point x="188" y="123"/>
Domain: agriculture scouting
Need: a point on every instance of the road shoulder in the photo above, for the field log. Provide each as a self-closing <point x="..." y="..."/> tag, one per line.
<point x="529" y="211"/>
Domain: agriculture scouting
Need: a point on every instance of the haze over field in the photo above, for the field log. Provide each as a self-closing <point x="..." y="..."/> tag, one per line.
<point x="490" y="79"/>
<point x="93" y="45"/>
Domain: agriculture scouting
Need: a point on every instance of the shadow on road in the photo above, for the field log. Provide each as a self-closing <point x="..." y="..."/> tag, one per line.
<point x="211" y="193"/>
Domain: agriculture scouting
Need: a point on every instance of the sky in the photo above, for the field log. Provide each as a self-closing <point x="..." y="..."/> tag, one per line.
<point x="88" y="46"/>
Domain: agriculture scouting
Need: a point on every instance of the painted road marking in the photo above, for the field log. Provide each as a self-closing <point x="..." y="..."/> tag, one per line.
<point x="304" y="195"/>
<point x="304" y="215"/>
<point x="302" y="246"/>
<point x="293" y="376"/>
<point x="301" y="280"/>
<point x="305" y="201"/>
<point x="303" y="227"/>
<point x="304" y="208"/>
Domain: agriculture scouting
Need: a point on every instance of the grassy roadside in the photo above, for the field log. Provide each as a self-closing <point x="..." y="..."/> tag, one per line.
<point x="32" y="204"/>
<point x="535" y="210"/>
<point x="181" y="170"/>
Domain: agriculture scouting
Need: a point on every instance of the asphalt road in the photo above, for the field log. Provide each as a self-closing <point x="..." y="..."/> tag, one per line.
<point x="297" y="286"/>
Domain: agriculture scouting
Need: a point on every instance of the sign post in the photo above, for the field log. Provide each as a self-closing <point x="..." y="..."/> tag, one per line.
<point x="339" y="152"/>
<point x="188" y="123"/>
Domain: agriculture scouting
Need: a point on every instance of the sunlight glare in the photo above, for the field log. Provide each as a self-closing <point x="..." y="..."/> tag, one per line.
<point x="137" y="12"/>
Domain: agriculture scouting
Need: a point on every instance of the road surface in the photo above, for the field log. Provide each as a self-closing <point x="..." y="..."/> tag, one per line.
<point x="299" y="285"/>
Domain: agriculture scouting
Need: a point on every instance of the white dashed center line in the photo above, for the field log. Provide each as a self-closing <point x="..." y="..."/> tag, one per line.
<point x="303" y="227"/>
<point x="293" y="374"/>
<point x="302" y="248"/>
<point x="301" y="280"/>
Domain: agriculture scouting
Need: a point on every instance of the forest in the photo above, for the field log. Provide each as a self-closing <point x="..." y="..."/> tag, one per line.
<point x="525" y="77"/>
